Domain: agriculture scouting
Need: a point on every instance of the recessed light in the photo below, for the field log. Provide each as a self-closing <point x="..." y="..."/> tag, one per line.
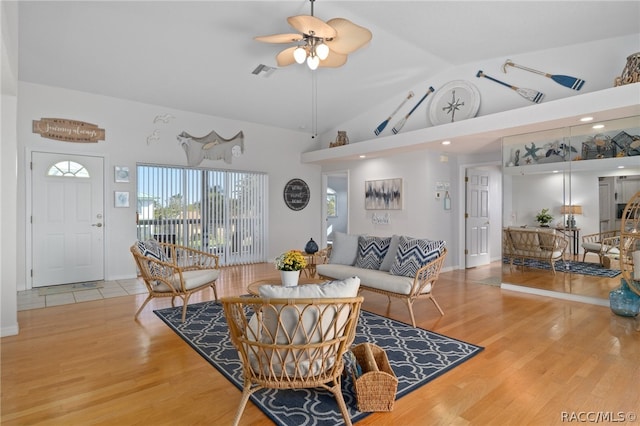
<point x="621" y="167"/>
<point x="446" y="142"/>
<point x="556" y="171"/>
<point x="363" y="156"/>
<point x="598" y="126"/>
<point x="585" y="119"/>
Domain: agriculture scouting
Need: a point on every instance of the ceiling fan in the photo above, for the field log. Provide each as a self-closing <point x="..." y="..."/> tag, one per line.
<point x="324" y="44"/>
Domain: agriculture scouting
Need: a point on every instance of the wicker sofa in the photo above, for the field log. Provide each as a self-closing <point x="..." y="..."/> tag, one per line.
<point x="543" y="244"/>
<point x="398" y="266"/>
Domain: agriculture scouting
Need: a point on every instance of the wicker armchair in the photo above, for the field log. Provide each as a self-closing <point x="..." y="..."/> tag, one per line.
<point x="605" y="244"/>
<point x="292" y="343"/>
<point x="170" y="270"/>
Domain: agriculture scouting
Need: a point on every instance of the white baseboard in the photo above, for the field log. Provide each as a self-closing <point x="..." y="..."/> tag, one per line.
<point x="555" y="294"/>
<point x="11" y="330"/>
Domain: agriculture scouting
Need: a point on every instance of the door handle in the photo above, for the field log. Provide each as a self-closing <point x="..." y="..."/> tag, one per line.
<point x="99" y="225"/>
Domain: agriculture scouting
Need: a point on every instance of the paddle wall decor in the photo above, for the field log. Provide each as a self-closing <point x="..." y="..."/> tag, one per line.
<point x="212" y="147"/>
<point x="563" y="80"/>
<point x="62" y="129"/>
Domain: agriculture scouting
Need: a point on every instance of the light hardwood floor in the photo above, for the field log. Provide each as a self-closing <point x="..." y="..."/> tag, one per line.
<point x="544" y="361"/>
<point x="571" y="283"/>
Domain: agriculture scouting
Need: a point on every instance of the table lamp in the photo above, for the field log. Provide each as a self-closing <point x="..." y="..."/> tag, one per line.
<point x="571" y="210"/>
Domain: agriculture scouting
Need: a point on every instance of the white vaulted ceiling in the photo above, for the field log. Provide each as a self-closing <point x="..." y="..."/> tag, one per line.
<point x="199" y="56"/>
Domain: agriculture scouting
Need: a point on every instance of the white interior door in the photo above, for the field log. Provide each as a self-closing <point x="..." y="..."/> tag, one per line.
<point x="477" y="218"/>
<point x="606" y="205"/>
<point x="67" y="219"/>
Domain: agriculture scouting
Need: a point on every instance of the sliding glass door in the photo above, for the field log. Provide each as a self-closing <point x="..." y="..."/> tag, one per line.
<point x="219" y="211"/>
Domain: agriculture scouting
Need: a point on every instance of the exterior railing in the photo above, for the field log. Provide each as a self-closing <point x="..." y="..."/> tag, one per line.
<point x="219" y="239"/>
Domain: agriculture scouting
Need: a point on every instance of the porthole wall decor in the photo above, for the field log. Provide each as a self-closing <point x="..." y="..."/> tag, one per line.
<point x="296" y="194"/>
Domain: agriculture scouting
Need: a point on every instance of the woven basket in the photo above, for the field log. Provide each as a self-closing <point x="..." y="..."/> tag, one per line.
<point x="376" y="387"/>
<point x="631" y="72"/>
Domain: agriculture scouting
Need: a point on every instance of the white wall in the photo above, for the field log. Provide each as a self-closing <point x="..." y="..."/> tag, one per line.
<point x="422" y="216"/>
<point x="128" y="124"/>
<point x="8" y="174"/>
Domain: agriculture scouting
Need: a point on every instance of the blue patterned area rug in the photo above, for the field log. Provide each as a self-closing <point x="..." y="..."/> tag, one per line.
<point x="583" y="268"/>
<point x="416" y="356"/>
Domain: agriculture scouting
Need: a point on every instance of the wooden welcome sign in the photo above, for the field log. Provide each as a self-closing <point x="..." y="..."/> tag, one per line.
<point x="61" y="129"/>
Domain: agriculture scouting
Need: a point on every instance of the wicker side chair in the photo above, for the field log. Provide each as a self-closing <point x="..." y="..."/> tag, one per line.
<point x="605" y="244"/>
<point x="292" y="343"/>
<point x="170" y="270"/>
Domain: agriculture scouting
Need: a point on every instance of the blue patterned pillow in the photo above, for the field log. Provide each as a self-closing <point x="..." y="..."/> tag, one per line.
<point x="415" y="253"/>
<point x="151" y="248"/>
<point x="371" y="251"/>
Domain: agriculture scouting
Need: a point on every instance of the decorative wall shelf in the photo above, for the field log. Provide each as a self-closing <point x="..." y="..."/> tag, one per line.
<point x="482" y="134"/>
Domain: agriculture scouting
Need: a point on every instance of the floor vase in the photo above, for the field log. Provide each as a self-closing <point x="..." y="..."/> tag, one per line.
<point x="624" y="301"/>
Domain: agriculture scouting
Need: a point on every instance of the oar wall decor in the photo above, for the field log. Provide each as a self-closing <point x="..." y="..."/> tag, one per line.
<point x="401" y="123"/>
<point x="563" y="80"/>
<point x="382" y="125"/>
<point x="528" y="94"/>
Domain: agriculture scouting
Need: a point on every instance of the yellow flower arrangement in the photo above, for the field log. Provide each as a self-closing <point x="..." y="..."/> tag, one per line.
<point x="292" y="260"/>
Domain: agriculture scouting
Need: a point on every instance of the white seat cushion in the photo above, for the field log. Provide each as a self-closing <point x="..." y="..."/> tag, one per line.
<point x="343" y="287"/>
<point x="381" y="280"/>
<point x="598" y="247"/>
<point x="192" y="279"/>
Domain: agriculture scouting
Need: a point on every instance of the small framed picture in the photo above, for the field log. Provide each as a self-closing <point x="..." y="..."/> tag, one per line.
<point x="121" y="199"/>
<point x="122" y="174"/>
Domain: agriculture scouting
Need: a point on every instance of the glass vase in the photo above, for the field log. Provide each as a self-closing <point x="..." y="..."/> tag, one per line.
<point x="623" y="301"/>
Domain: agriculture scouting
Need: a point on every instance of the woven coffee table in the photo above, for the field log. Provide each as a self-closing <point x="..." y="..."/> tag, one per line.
<point x="254" y="287"/>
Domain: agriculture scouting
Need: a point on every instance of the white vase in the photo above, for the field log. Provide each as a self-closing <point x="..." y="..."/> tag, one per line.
<point x="289" y="278"/>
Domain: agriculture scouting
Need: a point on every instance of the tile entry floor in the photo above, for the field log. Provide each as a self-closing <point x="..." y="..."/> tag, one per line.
<point x="32" y="299"/>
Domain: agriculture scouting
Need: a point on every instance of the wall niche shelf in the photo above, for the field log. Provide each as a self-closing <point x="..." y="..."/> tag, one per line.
<point x="484" y="133"/>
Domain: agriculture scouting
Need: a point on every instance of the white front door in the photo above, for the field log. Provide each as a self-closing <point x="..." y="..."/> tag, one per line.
<point x="477" y="218"/>
<point x="67" y="219"/>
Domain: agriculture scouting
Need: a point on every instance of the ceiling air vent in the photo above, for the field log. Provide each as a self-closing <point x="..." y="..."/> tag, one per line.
<point x="263" y="70"/>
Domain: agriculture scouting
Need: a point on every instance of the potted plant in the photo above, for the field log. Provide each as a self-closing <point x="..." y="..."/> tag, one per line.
<point x="290" y="263"/>
<point x="544" y="218"/>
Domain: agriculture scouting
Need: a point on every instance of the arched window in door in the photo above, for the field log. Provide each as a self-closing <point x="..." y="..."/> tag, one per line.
<point x="68" y="169"/>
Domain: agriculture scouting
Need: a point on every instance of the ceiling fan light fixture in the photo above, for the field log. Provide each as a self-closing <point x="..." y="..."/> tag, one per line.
<point x="300" y="54"/>
<point x="322" y="50"/>
<point x="313" y="62"/>
<point x="325" y="44"/>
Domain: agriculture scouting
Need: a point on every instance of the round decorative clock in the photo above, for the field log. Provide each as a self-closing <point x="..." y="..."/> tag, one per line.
<point x="455" y="101"/>
<point x="296" y="194"/>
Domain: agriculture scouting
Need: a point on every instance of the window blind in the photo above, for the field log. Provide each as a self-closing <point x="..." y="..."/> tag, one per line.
<point x="219" y="211"/>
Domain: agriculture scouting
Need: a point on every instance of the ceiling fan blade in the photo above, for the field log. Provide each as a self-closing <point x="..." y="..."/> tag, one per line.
<point x="350" y="37"/>
<point x="334" y="60"/>
<point x="285" y="57"/>
<point x="311" y="25"/>
<point x="280" y="38"/>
